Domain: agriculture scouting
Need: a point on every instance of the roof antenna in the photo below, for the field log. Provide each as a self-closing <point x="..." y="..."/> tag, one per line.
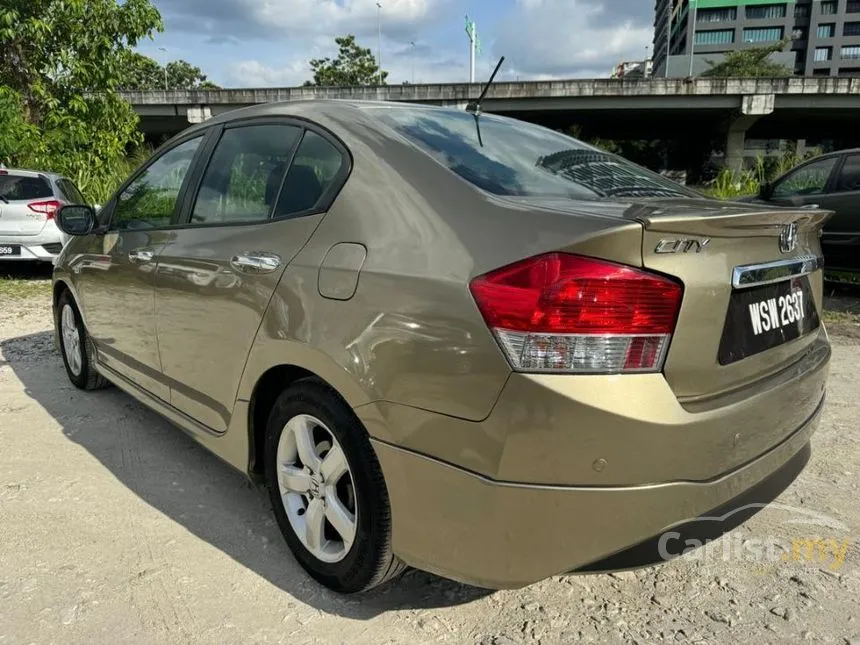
<point x="475" y="106"/>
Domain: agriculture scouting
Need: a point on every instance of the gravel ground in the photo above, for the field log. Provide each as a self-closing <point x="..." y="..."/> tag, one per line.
<point x="117" y="528"/>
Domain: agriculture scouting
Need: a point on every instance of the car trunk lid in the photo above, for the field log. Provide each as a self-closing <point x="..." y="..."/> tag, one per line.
<point x="732" y="258"/>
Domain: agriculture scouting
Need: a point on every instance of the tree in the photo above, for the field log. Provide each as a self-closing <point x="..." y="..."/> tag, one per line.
<point x="182" y="75"/>
<point x="750" y="62"/>
<point x="61" y="62"/>
<point x="354" y="66"/>
<point x="143" y="73"/>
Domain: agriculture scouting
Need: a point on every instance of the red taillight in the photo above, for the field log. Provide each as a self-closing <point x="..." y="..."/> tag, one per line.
<point x="48" y="208"/>
<point x="566" y="313"/>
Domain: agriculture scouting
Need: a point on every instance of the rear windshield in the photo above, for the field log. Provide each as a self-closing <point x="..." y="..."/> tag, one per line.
<point x="509" y="157"/>
<point x="14" y="187"/>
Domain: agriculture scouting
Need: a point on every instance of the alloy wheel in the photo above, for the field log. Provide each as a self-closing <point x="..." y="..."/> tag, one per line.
<point x="71" y="340"/>
<point x="317" y="488"/>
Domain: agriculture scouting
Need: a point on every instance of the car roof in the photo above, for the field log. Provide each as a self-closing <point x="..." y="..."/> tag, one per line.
<point x="20" y="172"/>
<point x="338" y="110"/>
<point x="835" y="153"/>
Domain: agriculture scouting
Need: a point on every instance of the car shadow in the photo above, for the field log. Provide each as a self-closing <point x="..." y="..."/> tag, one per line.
<point x="26" y="270"/>
<point x="179" y="478"/>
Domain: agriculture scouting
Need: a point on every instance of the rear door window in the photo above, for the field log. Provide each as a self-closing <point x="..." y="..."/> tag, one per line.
<point x="317" y="166"/>
<point x="24" y="188"/>
<point x="245" y="174"/>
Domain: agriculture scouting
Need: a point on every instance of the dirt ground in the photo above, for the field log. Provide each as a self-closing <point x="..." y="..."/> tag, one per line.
<point x="117" y="528"/>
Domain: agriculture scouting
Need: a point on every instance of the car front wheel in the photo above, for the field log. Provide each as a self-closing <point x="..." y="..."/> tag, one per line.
<point x="76" y="347"/>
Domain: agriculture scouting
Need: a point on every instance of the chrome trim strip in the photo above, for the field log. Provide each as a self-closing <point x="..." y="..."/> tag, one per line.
<point x="756" y="275"/>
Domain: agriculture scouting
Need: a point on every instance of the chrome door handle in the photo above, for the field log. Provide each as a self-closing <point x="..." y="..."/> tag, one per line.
<point x="256" y="263"/>
<point x="139" y="256"/>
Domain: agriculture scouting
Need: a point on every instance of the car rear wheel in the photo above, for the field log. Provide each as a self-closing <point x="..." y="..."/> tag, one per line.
<point x="76" y="347"/>
<point x="327" y="490"/>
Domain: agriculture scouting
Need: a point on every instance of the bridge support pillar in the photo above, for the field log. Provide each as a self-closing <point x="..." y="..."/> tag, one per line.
<point x="199" y="114"/>
<point x="753" y="107"/>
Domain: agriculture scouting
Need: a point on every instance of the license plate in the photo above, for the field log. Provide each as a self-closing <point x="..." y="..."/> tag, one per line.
<point x="765" y="317"/>
<point x="7" y="250"/>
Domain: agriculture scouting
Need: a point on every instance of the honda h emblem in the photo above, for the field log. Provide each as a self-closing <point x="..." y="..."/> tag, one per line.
<point x="788" y="238"/>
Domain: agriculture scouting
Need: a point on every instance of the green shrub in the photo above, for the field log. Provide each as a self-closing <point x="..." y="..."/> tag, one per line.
<point x="731" y="185"/>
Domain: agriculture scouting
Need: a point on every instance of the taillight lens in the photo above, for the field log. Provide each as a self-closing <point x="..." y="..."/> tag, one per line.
<point x="566" y="313"/>
<point x="48" y="209"/>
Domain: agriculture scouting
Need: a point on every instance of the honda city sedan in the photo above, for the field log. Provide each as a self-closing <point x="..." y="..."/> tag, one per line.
<point x="448" y="340"/>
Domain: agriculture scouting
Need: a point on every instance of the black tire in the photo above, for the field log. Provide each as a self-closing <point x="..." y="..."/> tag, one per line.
<point x="369" y="562"/>
<point x="88" y="378"/>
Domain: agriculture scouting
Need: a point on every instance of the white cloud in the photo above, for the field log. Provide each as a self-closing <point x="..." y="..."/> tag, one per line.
<point x="564" y="38"/>
<point x="253" y="73"/>
<point x="297" y="18"/>
<point x="273" y="40"/>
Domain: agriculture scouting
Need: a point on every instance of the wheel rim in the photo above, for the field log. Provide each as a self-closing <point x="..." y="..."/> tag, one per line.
<point x="71" y="340"/>
<point x="317" y="488"/>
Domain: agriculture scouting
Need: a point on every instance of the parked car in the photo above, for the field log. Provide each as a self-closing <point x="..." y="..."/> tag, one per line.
<point x="447" y="340"/>
<point x="830" y="182"/>
<point x="29" y="201"/>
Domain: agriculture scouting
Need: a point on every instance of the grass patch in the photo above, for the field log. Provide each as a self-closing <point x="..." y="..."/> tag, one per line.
<point x="832" y="316"/>
<point x="25" y="280"/>
<point x="20" y="289"/>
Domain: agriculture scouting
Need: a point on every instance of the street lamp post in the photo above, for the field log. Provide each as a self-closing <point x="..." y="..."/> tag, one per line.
<point x="412" y="42"/>
<point x="472" y="32"/>
<point x="669" y="34"/>
<point x="162" y="49"/>
<point x="379" y="39"/>
<point x="692" y="31"/>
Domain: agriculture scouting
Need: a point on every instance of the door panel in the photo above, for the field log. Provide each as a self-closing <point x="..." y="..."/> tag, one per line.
<point x="119" y="301"/>
<point x="841" y="241"/>
<point x="209" y="309"/>
<point x="117" y="273"/>
<point x="259" y="201"/>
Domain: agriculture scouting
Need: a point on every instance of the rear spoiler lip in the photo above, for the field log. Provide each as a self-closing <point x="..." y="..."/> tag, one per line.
<point x="757" y="275"/>
<point x="751" y="223"/>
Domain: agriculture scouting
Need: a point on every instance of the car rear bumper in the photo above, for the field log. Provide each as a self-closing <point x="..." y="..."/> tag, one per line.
<point x="567" y="470"/>
<point x="42" y="247"/>
<point x="612" y="430"/>
<point x="463" y="526"/>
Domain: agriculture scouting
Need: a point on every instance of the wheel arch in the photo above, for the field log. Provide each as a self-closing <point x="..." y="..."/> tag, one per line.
<point x="267" y="389"/>
<point x="62" y="284"/>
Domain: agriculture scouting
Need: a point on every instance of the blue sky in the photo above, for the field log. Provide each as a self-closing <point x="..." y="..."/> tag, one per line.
<point x="259" y="43"/>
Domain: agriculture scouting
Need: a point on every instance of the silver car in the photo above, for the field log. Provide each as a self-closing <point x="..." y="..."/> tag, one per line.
<point x="29" y="200"/>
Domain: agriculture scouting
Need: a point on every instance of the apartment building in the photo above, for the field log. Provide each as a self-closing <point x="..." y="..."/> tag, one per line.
<point x="825" y="34"/>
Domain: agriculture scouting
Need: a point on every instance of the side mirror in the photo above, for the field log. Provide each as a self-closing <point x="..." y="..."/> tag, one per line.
<point x="765" y="191"/>
<point x="76" y="219"/>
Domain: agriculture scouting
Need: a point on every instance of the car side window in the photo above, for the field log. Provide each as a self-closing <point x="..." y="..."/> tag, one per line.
<point x="70" y="192"/>
<point x="810" y="179"/>
<point x="849" y="176"/>
<point x="150" y="200"/>
<point x="244" y="175"/>
<point x="315" y="168"/>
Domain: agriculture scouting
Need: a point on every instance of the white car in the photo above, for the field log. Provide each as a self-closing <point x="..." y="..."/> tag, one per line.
<point x="29" y="201"/>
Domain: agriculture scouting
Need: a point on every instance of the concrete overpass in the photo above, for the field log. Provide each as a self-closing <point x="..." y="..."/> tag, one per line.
<point x="673" y="109"/>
